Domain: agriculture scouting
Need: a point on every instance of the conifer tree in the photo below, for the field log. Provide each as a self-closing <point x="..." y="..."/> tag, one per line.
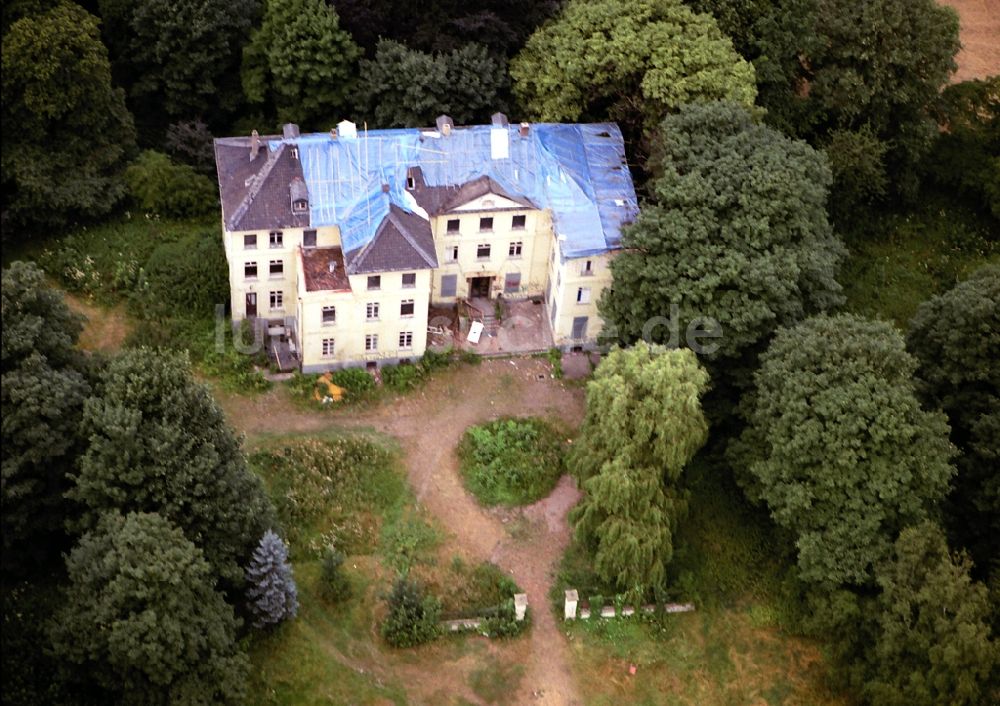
<point x="271" y="591"/>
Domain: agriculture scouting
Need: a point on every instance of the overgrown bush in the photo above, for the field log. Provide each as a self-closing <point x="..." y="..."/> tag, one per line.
<point x="159" y="186"/>
<point x="356" y="381"/>
<point x="413" y="615"/>
<point x="333" y="584"/>
<point x="555" y="359"/>
<point x="402" y="378"/>
<point x="188" y="276"/>
<point x="511" y="461"/>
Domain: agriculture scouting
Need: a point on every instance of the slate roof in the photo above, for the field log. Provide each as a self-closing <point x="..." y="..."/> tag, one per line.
<point x="256" y="194"/>
<point x="403" y="241"/>
<point x="436" y="200"/>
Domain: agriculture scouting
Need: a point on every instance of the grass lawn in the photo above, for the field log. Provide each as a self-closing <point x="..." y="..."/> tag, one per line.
<point x="735" y="649"/>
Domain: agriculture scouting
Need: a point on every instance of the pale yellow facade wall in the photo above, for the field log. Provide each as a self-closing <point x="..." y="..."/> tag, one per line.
<point x="569" y="276"/>
<point x="353" y="325"/>
<point x="263" y="255"/>
<point x="535" y="243"/>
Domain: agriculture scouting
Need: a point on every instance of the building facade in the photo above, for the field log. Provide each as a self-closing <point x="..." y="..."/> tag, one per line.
<point x="341" y="242"/>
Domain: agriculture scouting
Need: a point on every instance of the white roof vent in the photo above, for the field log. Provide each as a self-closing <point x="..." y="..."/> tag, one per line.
<point x="499" y="143"/>
<point x="347" y="129"/>
<point x="332" y="266"/>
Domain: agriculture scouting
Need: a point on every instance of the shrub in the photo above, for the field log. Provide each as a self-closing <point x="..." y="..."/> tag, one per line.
<point x="511" y="461"/>
<point x="160" y="186"/>
<point x="433" y="360"/>
<point x="402" y="378"/>
<point x="188" y="276"/>
<point x="356" y="381"/>
<point x="555" y="358"/>
<point x="333" y="584"/>
<point x="413" y="615"/>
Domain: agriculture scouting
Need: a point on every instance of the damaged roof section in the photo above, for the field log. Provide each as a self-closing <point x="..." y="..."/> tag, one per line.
<point x="323" y="270"/>
<point x="403" y="241"/>
<point x="259" y="187"/>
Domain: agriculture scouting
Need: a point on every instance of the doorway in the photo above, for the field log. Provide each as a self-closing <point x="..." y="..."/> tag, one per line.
<point x="251" y="303"/>
<point x="480" y="287"/>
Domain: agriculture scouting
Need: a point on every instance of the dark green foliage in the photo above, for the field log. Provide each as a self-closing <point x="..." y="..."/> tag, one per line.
<point x="630" y="62"/>
<point x="736" y="232"/>
<point x="402" y="87"/>
<point x="511" y="461"/>
<point x="190" y="142"/>
<point x="413" y="615"/>
<point x="142" y="619"/>
<point x="817" y="71"/>
<point x="838" y="446"/>
<point x="158" y="186"/>
<point x="644" y="423"/>
<point x="181" y="57"/>
<point x="932" y="628"/>
<point x="272" y="596"/>
<point x="444" y="25"/>
<point x="955" y="338"/>
<point x="357" y="381"/>
<point x="967" y="156"/>
<point x="44" y="386"/>
<point x="187" y="277"/>
<point x="30" y="674"/>
<point x="334" y="586"/>
<point x="402" y="378"/>
<point x="66" y="132"/>
<point x="158" y="442"/>
<point x="857" y="163"/>
<point x="301" y="62"/>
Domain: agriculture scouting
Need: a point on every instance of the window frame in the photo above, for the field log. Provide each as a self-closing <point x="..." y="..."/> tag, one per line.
<point x="276" y="239"/>
<point x="583" y="295"/>
<point x="479" y="251"/>
<point x="405" y="340"/>
<point x="329" y="347"/>
<point x="403" y="303"/>
<point x="486" y="224"/>
<point x="515" y="249"/>
<point x="331" y="309"/>
<point x="250" y="241"/>
<point x="453" y="279"/>
<point x="515" y="225"/>
<point x="280" y="274"/>
<point x="457" y="222"/>
<point x="410" y="285"/>
<point x="371" y="342"/>
<point x="507" y="289"/>
<point x="250" y="265"/>
<point x="374" y="283"/>
<point x="372" y="311"/>
<point x="305" y="236"/>
<point x="452" y="252"/>
<point x="276" y="299"/>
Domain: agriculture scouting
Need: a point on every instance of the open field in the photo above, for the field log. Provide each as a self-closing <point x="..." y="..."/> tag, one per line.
<point x="980" y="35"/>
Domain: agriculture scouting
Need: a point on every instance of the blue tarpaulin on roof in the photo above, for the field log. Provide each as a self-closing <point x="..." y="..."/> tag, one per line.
<point x="578" y="171"/>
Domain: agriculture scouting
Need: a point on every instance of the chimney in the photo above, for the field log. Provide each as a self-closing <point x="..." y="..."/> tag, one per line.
<point x="333" y="133"/>
<point x="289" y="131"/>
<point x="254" y="145"/>
<point x="525" y="128"/>
<point x="347" y="129"/>
<point x="385" y="188"/>
<point x="499" y="120"/>
<point x="444" y="125"/>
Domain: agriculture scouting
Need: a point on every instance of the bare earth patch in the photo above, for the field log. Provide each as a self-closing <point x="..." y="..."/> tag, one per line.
<point x="105" y="330"/>
<point x="980" y="35"/>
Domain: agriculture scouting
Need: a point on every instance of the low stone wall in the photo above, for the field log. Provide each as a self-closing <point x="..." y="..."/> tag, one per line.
<point x="572" y="610"/>
<point x="461" y="624"/>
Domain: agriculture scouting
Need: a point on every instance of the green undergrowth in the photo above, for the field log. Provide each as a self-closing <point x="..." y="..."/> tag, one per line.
<point x="511" y="461"/>
<point x="901" y="260"/>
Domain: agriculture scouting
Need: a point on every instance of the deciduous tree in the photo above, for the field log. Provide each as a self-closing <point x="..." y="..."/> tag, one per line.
<point x="403" y="87"/>
<point x="158" y="442"/>
<point x="66" y="132"/>
<point x="44" y="386"/>
<point x="736" y="231"/>
<point x="644" y="423"/>
<point x="838" y="446"/>
<point x="955" y="338"/>
<point x="301" y="62"/>
<point x="142" y="618"/>
<point x="628" y="61"/>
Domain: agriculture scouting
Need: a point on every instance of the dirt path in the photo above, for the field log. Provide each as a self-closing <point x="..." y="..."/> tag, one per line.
<point x="980" y="35"/>
<point x="428" y="425"/>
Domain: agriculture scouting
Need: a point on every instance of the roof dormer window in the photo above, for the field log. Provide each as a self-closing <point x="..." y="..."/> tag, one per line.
<point x="410" y="183"/>
<point x="300" y="206"/>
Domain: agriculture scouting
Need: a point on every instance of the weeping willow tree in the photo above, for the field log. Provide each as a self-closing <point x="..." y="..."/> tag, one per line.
<point x="644" y="423"/>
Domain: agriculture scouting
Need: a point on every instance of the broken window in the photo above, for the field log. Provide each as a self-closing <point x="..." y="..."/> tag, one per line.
<point x="409" y="279"/>
<point x="375" y="282"/>
<point x="486" y="223"/>
<point x="452" y="253"/>
<point x="454" y="225"/>
<point x="250" y="270"/>
<point x="483" y="251"/>
<point x="406" y="307"/>
<point x="250" y="242"/>
<point x="309" y="239"/>
<point x="583" y="295"/>
<point x="329" y="314"/>
<point x="277" y="268"/>
<point x="517" y="222"/>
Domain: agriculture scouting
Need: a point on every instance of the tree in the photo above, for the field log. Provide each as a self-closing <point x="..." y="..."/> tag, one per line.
<point x="838" y="446"/>
<point x="182" y="57"/>
<point x="955" y="338"/>
<point x="333" y="583"/>
<point x="159" y="186"/>
<point x="160" y="443"/>
<point x="413" y="615"/>
<point x="736" y="233"/>
<point x="301" y="62"/>
<point x="857" y="163"/>
<point x="191" y="142"/>
<point x="403" y="87"/>
<point x="445" y="25"/>
<point x="644" y="423"/>
<point x="142" y="618"/>
<point x="45" y="383"/>
<point x="271" y="592"/>
<point x="628" y="61"/>
<point x="932" y="632"/>
<point x="66" y="132"/>
<point x="817" y="71"/>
